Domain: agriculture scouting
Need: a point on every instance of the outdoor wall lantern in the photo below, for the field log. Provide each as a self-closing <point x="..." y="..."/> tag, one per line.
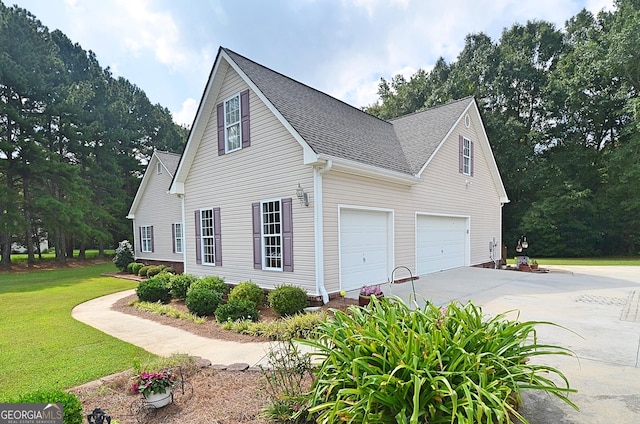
<point x="302" y="196"/>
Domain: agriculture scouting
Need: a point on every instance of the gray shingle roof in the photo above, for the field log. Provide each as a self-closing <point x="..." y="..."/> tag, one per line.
<point x="169" y="160"/>
<point x="420" y="133"/>
<point x="335" y="128"/>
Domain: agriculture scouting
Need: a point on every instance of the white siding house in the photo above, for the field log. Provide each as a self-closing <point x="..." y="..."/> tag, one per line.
<point x="281" y="183"/>
<point x="157" y="216"/>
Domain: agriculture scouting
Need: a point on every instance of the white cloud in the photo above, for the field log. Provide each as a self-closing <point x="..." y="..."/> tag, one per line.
<point x="188" y="112"/>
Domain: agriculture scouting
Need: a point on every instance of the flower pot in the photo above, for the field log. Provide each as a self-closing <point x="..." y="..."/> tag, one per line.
<point x="534" y="266"/>
<point x="158" y="400"/>
<point x="364" y="300"/>
<point x="525" y="268"/>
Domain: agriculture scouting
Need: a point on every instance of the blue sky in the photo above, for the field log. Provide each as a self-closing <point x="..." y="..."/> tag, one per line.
<point x="341" y="47"/>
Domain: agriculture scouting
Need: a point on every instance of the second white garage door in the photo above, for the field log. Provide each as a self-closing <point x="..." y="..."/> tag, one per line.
<point x="365" y="252"/>
<point x="441" y="243"/>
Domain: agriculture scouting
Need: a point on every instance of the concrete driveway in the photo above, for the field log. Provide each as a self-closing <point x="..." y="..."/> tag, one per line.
<point x="601" y="307"/>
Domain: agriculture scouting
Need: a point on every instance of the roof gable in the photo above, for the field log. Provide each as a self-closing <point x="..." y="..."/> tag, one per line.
<point x="329" y="129"/>
<point x="169" y="162"/>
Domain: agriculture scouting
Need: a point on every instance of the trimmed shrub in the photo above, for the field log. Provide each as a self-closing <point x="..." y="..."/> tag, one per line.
<point x="135" y="268"/>
<point x="212" y="282"/>
<point x="202" y="301"/>
<point x="130" y="267"/>
<point x="72" y="406"/>
<point x="155" y="289"/>
<point x="391" y="363"/>
<point x="287" y="300"/>
<point x="180" y="285"/>
<point x="124" y="255"/>
<point x="247" y="291"/>
<point x="142" y="272"/>
<point x="237" y="310"/>
<point x="169" y="270"/>
<point x="154" y="270"/>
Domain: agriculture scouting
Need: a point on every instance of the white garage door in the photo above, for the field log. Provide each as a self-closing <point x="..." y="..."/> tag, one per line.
<point x="364" y="248"/>
<point x="441" y="243"/>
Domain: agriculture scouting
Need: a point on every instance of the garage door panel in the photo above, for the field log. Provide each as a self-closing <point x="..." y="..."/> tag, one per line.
<point x="441" y="243"/>
<point x="364" y="248"/>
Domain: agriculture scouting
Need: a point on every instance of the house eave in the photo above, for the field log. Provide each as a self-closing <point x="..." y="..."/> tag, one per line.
<point x="364" y="170"/>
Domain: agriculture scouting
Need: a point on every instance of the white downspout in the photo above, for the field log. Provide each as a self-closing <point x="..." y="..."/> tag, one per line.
<point x="184" y="236"/>
<point x="319" y="228"/>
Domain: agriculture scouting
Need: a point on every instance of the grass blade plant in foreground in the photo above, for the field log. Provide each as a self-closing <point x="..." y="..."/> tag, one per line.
<point x="388" y="363"/>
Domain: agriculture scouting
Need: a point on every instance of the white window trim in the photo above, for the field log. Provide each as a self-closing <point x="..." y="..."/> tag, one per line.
<point x="466" y="156"/>
<point x="212" y="237"/>
<point x="227" y="124"/>
<point x="158" y="168"/>
<point x="263" y="236"/>
<point x="179" y="238"/>
<point x="145" y="238"/>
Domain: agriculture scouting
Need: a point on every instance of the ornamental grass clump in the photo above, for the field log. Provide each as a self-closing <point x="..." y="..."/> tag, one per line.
<point x="388" y="363"/>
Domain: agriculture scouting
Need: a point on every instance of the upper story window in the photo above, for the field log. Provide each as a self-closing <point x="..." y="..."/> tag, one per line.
<point x="232" y="124"/>
<point x="158" y="168"/>
<point x="465" y="154"/>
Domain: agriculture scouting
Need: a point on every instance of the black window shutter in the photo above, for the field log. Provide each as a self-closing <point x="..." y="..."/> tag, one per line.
<point x="471" y="161"/>
<point x="221" y="143"/>
<point x="140" y="239"/>
<point x="173" y="238"/>
<point x="217" y="237"/>
<point x="151" y="231"/>
<point x="246" y="127"/>
<point x="460" y="154"/>
<point x="257" y="237"/>
<point x="198" y="242"/>
<point x="287" y="235"/>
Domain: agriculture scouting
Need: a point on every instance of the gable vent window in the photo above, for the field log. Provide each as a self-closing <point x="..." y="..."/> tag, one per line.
<point x="158" y="168"/>
<point x="465" y="154"/>
<point x="234" y="131"/>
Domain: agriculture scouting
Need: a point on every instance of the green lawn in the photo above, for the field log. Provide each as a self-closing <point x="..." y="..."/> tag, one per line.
<point x="41" y="345"/>
<point x="626" y="261"/>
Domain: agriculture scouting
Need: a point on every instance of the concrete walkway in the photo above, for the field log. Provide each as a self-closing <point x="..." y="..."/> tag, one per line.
<point x="162" y="339"/>
<point x="599" y="308"/>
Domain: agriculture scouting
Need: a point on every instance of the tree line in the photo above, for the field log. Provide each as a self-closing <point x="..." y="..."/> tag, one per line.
<point x="562" y="113"/>
<point x="73" y="139"/>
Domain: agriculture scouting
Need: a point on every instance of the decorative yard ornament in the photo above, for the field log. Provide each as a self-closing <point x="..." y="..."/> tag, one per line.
<point x="98" y="416"/>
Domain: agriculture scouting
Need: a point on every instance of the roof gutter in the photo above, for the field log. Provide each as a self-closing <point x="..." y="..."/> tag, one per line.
<point x="370" y="171"/>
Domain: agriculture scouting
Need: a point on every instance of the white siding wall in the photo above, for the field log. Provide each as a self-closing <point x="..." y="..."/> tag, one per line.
<point x="270" y="168"/>
<point x="442" y="191"/>
<point x="159" y="209"/>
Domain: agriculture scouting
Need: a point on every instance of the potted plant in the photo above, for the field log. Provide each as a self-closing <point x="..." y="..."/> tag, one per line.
<point x="367" y="291"/>
<point x="155" y="387"/>
<point x="533" y="264"/>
